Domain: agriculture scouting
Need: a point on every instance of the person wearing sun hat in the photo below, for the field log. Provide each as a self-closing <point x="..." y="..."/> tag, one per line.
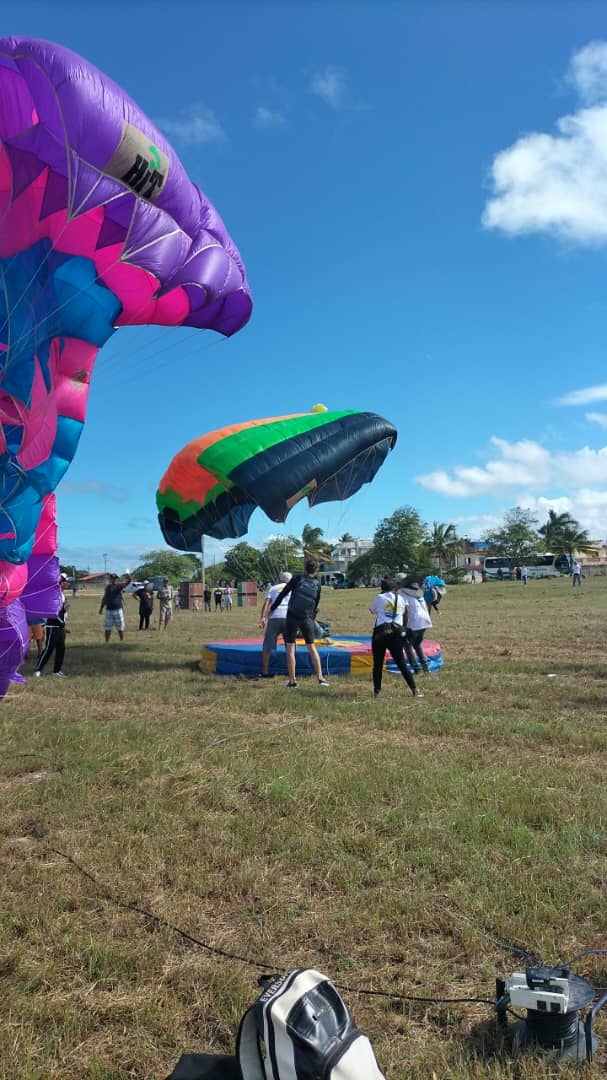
<point x="416" y="619"/>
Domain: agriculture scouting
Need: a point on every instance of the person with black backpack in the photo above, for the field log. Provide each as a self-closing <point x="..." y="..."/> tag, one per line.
<point x="304" y="591"/>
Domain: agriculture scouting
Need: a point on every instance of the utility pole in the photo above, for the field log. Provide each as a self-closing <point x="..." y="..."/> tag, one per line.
<point x="202" y="567"/>
<point x="105" y="563"/>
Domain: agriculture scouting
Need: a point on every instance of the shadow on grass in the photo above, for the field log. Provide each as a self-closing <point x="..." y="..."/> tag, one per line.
<point x="121" y="657"/>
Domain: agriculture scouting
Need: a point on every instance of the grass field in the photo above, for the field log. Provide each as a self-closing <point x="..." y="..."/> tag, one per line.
<point x="393" y="843"/>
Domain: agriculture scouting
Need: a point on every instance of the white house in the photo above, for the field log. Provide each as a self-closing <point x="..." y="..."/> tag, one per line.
<point x="344" y="554"/>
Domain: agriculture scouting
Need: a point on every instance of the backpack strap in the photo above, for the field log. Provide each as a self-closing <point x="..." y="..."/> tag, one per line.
<point x="247" y="1048"/>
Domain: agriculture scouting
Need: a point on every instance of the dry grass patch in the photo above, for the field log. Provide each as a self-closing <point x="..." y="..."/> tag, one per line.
<point x="391" y="843"/>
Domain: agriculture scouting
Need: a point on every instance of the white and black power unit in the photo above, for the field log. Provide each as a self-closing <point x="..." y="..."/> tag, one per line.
<point x="554" y="1000"/>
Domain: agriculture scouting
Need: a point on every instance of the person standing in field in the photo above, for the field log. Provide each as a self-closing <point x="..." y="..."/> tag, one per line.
<point x="146" y="605"/>
<point x="227" y="598"/>
<point x="303" y="591"/>
<point x="54" y="644"/>
<point x="165" y="600"/>
<point x="273" y="623"/>
<point x="218" y="595"/>
<point x="207" y="598"/>
<point x="388" y="608"/>
<point x="113" y="602"/>
<point x="524" y="575"/>
<point x="416" y="619"/>
<point x="576" y="574"/>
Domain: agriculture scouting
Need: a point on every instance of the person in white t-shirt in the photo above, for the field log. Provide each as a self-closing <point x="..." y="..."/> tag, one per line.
<point x="576" y="574"/>
<point x="273" y="622"/>
<point x="388" y="608"/>
<point x="417" y="620"/>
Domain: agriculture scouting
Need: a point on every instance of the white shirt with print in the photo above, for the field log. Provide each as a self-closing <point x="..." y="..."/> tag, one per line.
<point x="388" y="607"/>
<point x="281" y="610"/>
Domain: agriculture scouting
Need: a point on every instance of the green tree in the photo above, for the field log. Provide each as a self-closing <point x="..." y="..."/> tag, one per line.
<point x="313" y="545"/>
<point x="242" y="563"/>
<point x="551" y="531"/>
<point x="366" y="566"/>
<point x="444" y="544"/>
<point x="346" y="538"/>
<point x="400" y="542"/>
<point x="167" y="564"/>
<point x="517" y="539"/>
<point x="279" y="554"/>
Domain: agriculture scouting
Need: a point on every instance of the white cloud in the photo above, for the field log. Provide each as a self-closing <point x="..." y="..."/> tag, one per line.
<point x="521" y="465"/>
<point x="597" y="418"/>
<point x="586" y="396"/>
<point x="588" y="72"/>
<point x="268" y="118"/>
<point x="587" y="505"/>
<point x="194" y="125"/>
<point x="330" y="84"/>
<point x="557" y="183"/>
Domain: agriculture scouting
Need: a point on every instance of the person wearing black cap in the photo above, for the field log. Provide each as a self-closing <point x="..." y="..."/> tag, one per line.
<point x="113" y="603"/>
<point x="417" y="620"/>
<point x="146" y="604"/>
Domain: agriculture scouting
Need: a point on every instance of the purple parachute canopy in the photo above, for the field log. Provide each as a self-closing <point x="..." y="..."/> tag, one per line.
<point x="100" y="228"/>
<point x="60" y="113"/>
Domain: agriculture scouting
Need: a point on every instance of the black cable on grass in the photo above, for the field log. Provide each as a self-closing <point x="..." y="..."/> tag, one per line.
<point x="158" y="919"/>
<point x="516" y="950"/>
<point x="226" y="954"/>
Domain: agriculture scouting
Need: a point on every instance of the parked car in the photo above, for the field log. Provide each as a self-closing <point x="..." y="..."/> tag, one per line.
<point x="133" y="586"/>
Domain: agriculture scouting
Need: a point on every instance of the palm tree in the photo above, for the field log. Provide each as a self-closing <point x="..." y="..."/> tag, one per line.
<point x="444" y="543"/>
<point x="555" y="525"/>
<point x="572" y="540"/>
<point x="347" y="538"/>
<point x="313" y="546"/>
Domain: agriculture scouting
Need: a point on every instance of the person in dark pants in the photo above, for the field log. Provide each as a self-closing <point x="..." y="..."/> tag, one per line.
<point x="54" y="643"/>
<point x="146" y="605"/>
<point x="388" y="608"/>
<point x="417" y="620"/>
<point x="207" y="598"/>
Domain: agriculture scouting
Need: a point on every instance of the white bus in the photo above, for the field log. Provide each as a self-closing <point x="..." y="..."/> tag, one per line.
<point x="334" y="579"/>
<point x="540" y="564"/>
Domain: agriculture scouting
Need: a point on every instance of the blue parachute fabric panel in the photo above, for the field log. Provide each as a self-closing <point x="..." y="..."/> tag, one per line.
<point x="225" y="517"/>
<point x="46" y="476"/>
<point x="45" y="293"/>
<point x="24" y="510"/>
<point x="88" y="309"/>
<point x="353" y="475"/>
<point x="276" y="477"/>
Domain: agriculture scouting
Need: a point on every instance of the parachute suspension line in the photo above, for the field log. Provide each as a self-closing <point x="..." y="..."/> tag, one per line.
<point x="39" y="267"/>
<point x="132" y="374"/>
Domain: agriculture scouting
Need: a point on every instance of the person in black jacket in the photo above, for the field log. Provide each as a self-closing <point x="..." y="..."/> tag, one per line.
<point x="146" y="604"/>
<point x="304" y="591"/>
<point x="55" y="632"/>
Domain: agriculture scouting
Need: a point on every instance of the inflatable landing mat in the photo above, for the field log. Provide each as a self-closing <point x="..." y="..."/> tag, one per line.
<point x="344" y="655"/>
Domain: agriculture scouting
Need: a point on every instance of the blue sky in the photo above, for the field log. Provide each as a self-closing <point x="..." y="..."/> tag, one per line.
<point x="419" y="193"/>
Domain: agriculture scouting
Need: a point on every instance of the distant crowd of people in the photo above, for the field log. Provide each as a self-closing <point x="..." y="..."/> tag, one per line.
<point x="290" y="610"/>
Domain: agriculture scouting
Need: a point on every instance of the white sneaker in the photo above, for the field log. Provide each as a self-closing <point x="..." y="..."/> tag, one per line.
<point x="37" y="674"/>
<point x="60" y="675"/>
<point x="322" y="682"/>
